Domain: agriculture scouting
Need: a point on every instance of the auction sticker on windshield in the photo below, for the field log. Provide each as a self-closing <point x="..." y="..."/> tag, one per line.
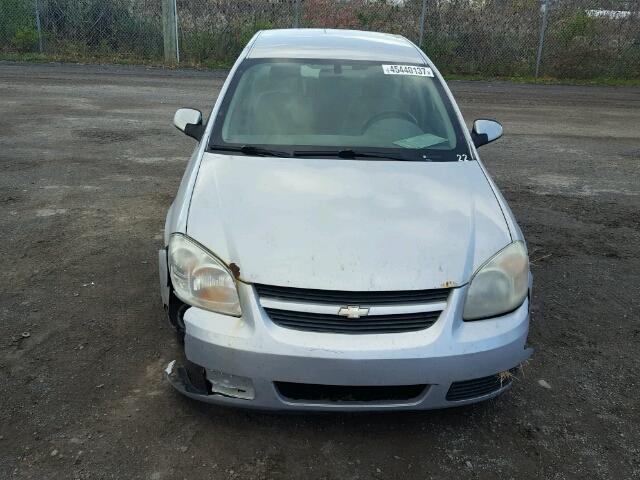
<point x="407" y="70"/>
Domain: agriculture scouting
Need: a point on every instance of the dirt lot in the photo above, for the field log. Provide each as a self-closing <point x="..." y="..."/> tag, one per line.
<point x="90" y="163"/>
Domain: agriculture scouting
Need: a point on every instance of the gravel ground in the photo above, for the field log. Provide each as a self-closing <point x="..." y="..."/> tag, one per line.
<point x="90" y="163"/>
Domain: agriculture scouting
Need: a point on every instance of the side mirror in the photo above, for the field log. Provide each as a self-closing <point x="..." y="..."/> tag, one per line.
<point x="189" y="121"/>
<point x="485" y="131"/>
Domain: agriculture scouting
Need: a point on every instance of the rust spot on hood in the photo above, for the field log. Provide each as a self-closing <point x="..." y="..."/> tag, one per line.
<point x="235" y="269"/>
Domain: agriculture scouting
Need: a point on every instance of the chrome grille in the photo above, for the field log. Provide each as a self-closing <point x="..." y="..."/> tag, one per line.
<point x="371" y="324"/>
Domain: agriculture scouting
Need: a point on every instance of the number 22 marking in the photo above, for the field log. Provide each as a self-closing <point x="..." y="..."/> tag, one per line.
<point x="462" y="157"/>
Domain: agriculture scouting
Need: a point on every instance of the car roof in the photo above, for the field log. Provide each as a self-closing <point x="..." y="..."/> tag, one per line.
<point x="334" y="44"/>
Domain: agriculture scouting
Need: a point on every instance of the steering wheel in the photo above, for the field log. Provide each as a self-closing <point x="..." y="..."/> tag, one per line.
<point x="391" y="114"/>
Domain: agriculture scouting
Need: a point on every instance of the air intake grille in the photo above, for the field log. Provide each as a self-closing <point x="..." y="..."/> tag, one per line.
<point x="340" y="393"/>
<point x="337" y="297"/>
<point x="477" y="387"/>
<point x="320" y="322"/>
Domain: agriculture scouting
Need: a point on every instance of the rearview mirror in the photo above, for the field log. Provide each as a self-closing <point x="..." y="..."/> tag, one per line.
<point x="189" y="121"/>
<point x="485" y="131"/>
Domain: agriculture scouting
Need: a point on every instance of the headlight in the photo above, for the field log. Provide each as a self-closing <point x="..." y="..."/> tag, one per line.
<point x="500" y="285"/>
<point x="200" y="279"/>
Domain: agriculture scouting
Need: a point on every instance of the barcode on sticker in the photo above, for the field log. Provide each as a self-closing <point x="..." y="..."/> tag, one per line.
<point x="407" y="70"/>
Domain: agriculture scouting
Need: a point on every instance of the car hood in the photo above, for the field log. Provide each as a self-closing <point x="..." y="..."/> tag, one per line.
<point x="347" y="224"/>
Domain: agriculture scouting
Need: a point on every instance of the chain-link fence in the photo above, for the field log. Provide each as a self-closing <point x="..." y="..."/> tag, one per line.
<point x="82" y="29"/>
<point x="564" y="38"/>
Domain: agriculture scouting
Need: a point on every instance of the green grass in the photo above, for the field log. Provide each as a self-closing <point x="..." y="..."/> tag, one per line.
<point x="110" y="60"/>
<point x="546" y="80"/>
<point x="211" y="64"/>
<point x="45" y="58"/>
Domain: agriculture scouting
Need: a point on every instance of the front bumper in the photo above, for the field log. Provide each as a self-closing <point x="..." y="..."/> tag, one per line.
<point x="256" y="350"/>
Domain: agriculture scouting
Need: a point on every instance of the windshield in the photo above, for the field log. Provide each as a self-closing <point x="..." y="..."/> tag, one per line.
<point x="306" y="106"/>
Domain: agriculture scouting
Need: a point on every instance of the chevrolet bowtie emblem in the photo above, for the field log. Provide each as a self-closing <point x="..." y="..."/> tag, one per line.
<point x="353" y="311"/>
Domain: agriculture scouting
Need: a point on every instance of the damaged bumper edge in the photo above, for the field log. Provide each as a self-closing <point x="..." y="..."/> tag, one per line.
<point x="212" y="383"/>
<point x="178" y="376"/>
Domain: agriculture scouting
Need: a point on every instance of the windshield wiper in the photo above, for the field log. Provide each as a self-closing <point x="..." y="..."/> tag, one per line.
<point x="251" y="150"/>
<point x="349" y="153"/>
